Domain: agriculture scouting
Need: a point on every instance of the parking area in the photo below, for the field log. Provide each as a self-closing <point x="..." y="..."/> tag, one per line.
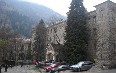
<point x="69" y="71"/>
<point x="19" y="69"/>
<point x="29" y="69"/>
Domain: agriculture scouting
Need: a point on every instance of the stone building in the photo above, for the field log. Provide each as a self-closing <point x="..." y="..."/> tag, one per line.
<point x="102" y="42"/>
<point x="102" y="27"/>
<point x="21" y="50"/>
<point x="24" y="52"/>
<point x="55" y="38"/>
<point x="17" y="50"/>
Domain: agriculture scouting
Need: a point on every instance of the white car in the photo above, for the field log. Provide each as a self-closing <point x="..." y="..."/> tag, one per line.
<point x="83" y="65"/>
<point x="60" y="68"/>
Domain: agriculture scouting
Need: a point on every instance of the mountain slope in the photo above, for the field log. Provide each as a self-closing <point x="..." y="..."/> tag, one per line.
<point x="35" y="11"/>
<point x="22" y="16"/>
<point x="17" y="22"/>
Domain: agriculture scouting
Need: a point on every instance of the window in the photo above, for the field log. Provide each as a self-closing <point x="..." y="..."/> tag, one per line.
<point x="101" y="13"/>
<point x="55" y="29"/>
<point x="50" y="39"/>
<point x="89" y="19"/>
<point x="94" y="19"/>
<point x="51" y="30"/>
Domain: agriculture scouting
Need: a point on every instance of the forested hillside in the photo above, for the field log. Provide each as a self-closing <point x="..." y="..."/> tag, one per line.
<point x="22" y="16"/>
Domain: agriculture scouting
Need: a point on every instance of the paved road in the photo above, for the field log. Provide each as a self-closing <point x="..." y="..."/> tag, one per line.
<point x="105" y="71"/>
<point x="19" y="69"/>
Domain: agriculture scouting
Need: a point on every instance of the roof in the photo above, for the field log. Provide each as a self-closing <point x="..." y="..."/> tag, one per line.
<point x="108" y="1"/>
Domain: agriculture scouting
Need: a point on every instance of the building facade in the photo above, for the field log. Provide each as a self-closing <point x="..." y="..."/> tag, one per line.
<point x="102" y="41"/>
<point x="55" y="38"/>
<point x="102" y="27"/>
<point x="17" y="50"/>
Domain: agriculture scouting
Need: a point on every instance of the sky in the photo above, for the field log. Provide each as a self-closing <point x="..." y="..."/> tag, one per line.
<point x="62" y="6"/>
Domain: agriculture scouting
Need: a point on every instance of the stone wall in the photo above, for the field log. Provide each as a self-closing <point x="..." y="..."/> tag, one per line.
<point x="91" y="22"/>
<point x="102" y="29"/>
<point x="103" y="41"/>
<point x="56" y="32"/>
<point x="55" y="35"/>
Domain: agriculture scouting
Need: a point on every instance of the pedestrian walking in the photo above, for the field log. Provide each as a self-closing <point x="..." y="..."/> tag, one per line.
<point x="6" y="67"/>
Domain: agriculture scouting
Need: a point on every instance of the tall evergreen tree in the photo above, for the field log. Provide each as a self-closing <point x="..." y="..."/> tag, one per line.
<point x="40" y="40"/>
<point x="76" y="33"/>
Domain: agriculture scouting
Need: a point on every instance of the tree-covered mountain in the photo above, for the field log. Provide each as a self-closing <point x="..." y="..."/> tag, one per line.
<point x="22" y="16"/>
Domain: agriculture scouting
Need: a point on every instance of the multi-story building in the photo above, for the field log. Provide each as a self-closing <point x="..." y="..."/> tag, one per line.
<point x="56" y="32"/>
<point x="102" y="26"/>
<point x="18" y="50"/>
<point x="55" y="35"/>
<point x="102" y="41"/>
<point x="22" y="50"/>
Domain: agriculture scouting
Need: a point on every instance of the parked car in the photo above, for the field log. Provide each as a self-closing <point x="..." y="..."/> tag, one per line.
<point x="60" y="68"/>
<point x="82" y="66"/>
<point x="49" y="68"/>
<point x="47" y="63"/>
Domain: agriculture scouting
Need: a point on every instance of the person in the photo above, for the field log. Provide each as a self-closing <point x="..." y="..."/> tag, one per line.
<point x="6" y="67"/>
<point x="34" y="62"/>
<point x="21" y="64"/>
<point x="0" y="68"/>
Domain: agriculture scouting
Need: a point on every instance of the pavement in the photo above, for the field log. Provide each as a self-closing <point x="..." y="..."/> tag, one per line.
<point x="103" y="71"/>
<point x="29" y="69"/>
<point x="19" y="69"/>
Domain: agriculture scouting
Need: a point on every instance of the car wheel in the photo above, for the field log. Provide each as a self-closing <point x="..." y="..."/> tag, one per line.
<point x="78" y="69"/>
<point x="58" y="70"/>
<point x="47" y="70"/>
<point x="52" y="71"/>
<point x="75" y="70"/>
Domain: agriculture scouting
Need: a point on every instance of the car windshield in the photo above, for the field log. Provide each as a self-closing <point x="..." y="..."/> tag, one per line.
<point x="80" y="63"/>
<point x="61" y="66"/>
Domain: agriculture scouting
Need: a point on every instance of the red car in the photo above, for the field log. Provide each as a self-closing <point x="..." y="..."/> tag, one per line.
<point x="48" y="68"/>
